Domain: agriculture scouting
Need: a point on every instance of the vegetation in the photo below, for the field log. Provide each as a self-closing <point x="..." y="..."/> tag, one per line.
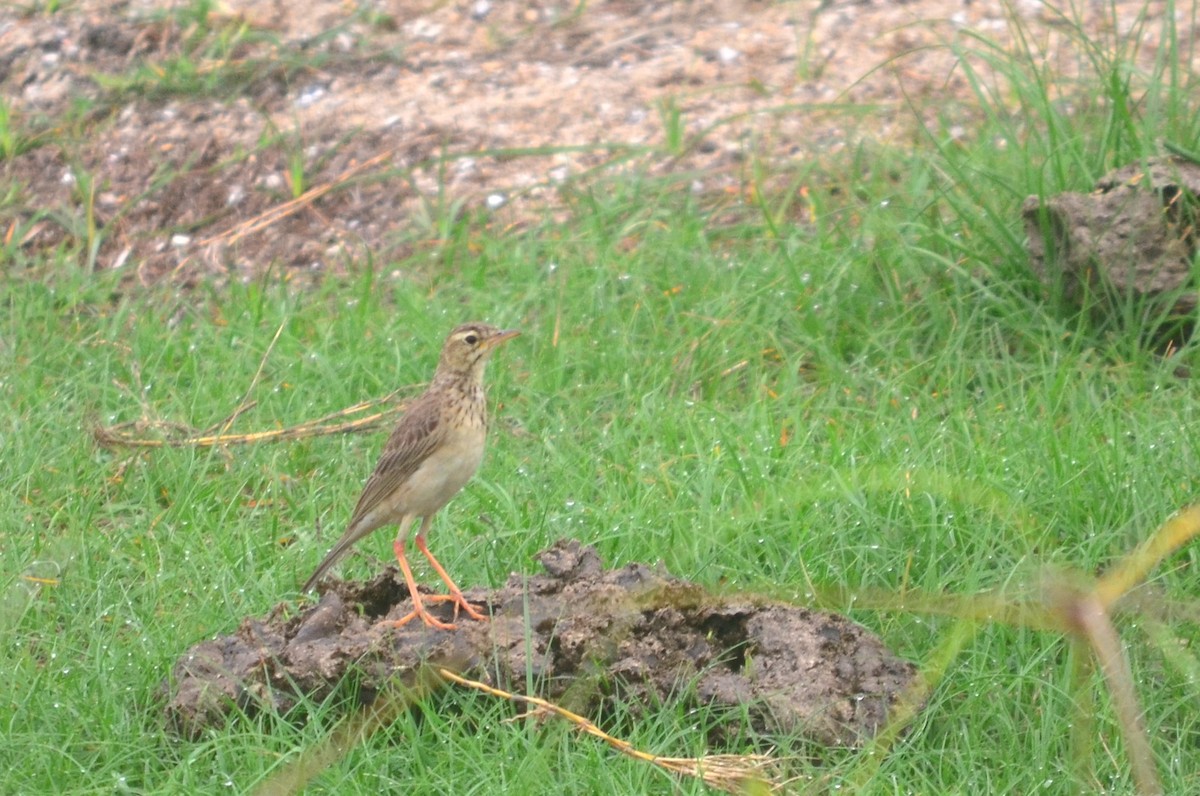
<point x="840" y="399"/>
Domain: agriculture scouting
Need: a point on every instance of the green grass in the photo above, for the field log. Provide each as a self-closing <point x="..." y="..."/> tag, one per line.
<point x="876" y="401"/>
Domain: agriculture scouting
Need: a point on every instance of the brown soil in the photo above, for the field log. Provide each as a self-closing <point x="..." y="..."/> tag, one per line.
<point x="588" y="636"/>
<point x="438" y="106"/>
<point x="1134" y="236"/>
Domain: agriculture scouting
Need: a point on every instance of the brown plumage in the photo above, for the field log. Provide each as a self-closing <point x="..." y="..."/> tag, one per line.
<point x="433" y="451"/>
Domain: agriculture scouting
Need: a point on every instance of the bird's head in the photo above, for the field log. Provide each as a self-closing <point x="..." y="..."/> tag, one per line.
<point x="468" y="347"/>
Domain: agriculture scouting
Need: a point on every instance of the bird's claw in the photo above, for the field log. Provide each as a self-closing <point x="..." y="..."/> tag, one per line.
<point x="429" y="619"/>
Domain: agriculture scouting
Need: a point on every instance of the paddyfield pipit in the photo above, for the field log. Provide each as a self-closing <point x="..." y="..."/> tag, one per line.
<point x="435" y="449"/>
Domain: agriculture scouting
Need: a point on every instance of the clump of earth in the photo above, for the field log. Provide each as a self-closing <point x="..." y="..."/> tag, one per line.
<point x="590" y="637"/>
<point x="1131" y="242"/>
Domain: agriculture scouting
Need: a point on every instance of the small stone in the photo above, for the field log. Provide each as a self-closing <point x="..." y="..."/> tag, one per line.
<point x="310" y="95"/>
<point x="424" y="29"/>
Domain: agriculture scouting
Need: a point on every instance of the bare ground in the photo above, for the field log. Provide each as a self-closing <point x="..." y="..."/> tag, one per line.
<point x="405" y="110"/>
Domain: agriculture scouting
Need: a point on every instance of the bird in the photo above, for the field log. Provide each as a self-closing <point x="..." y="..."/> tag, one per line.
<point x="430" y="455"/>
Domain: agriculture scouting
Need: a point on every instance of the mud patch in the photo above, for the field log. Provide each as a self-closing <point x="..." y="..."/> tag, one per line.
<point x="588" y="636"/>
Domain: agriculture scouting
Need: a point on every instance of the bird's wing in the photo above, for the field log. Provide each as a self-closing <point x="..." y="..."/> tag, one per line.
<point x="416" y="436"/>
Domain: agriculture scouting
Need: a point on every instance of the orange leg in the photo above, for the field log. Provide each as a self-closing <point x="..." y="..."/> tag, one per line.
<point x="455" y="593"/>
<point x="419" y="609"/>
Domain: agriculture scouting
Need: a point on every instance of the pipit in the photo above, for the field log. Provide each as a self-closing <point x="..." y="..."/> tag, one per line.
<point x="435" y="449"/>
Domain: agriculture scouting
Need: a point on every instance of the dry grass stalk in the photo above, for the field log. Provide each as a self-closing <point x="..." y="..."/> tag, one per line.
<point x="1081" y="608"/>
<point x="727" y="773"/>
<point x="280" y="212"/>
<point x="128" y="434"/>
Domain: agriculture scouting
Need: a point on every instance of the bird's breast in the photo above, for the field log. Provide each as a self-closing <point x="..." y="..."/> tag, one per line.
<point x="447" y="468"/>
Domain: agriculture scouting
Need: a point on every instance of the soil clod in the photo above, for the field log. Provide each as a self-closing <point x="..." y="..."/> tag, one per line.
<point x="585" y="634"/>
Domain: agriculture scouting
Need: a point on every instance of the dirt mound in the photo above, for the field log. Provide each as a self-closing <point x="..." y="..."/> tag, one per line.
<point x="586" y="635"/>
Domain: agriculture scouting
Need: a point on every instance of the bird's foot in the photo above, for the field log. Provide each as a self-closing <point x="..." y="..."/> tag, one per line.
<point x="459" y="601"/>
<point x="421" y="612"/>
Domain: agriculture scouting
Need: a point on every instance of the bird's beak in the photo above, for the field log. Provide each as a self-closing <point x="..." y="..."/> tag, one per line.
<point x="502" y="336"/>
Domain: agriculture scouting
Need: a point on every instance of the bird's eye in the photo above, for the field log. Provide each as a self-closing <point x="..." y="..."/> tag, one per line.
<point x="471" y="339"/>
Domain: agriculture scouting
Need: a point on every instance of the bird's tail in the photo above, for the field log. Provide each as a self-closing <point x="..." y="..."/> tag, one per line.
<point x="332" y="557"/>
<point x="359" y="527"/>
